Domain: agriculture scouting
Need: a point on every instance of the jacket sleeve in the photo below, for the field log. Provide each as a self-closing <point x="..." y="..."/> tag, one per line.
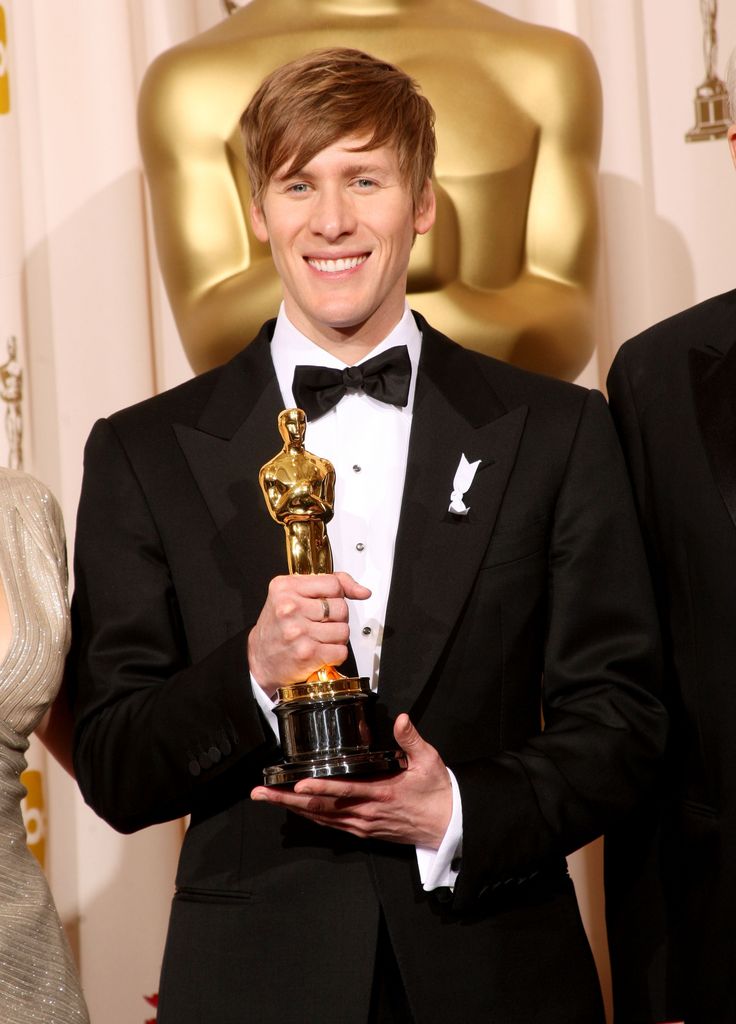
<point x="635" y="886"/>
<point x="626" y="416"/>
<point x="604" y="728"/>
<point x="154" y="733"/>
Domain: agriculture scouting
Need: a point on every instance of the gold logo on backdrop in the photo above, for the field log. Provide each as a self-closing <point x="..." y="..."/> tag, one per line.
<point x="4" y="75"/>
<point x="34" y="814"/>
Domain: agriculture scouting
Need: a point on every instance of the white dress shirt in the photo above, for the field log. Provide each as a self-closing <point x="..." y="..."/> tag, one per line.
<point x="367" y="442"/>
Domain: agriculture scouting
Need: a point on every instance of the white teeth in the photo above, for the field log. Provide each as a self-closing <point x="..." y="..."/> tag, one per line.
<point x="334" y="266"/>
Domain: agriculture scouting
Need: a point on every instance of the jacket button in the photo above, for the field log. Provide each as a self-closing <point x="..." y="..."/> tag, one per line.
<point x="205" y="761"/>
<point x="194" y="767"/>
<point x="214" y="755"/>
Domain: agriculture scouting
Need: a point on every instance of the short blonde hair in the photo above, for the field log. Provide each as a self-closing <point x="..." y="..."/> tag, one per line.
<point x="312" y="102"/>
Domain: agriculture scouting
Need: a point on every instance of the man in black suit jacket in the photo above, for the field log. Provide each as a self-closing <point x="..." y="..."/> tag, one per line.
<point x="522" y="600"/>
<point x="671" y="872"/>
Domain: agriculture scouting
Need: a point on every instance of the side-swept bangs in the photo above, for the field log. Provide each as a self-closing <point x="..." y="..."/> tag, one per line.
<point x="311" y="103"/>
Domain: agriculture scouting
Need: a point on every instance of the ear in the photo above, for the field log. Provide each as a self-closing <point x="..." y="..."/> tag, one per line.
<point x="258" y="222"/>
<point x="426" y="208"/>
<point x="732" y="142"/>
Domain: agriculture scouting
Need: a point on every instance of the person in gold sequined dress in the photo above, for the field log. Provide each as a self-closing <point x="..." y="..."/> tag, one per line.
<point x="38" y="979"/>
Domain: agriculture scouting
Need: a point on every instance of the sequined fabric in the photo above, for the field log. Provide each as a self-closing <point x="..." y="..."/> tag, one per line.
<point x="38" y="980"/>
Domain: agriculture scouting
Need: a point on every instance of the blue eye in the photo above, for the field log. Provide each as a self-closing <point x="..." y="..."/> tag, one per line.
<point x="299" y="187"/>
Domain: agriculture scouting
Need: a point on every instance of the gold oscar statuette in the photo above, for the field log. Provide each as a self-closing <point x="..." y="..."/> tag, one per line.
<point x="711" y="96"/>
<point x="324" y="720"/>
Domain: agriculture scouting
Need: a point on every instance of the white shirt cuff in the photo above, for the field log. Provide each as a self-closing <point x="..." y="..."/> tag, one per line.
<point x="436" y="868"/>
<point x="266" y="704"/>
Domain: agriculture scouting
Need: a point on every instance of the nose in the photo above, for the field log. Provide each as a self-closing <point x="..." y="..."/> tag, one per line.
<point x="332" y="214"/>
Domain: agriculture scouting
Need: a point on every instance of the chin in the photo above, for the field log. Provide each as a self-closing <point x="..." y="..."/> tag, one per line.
<point x="342" y="321"/>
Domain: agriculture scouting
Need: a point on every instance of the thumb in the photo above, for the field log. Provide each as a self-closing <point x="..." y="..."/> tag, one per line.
<point x="351" y="588"/>
<point x="409" y="739"/>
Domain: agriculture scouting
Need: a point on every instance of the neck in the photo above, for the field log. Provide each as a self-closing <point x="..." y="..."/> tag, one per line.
<point x="350" y="350"/>
<point x="352" y="343"/>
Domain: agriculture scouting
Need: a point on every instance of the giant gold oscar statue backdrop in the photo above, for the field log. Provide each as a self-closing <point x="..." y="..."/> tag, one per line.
<point x="508" y="269"/>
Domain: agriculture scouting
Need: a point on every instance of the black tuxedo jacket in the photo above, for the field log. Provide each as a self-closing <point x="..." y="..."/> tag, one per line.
<point x="537" y="602"/>
<point x="672" y="874"/>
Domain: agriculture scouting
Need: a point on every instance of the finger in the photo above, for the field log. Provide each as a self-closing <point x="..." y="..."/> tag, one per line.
<point x="317" y="609"/>
<point x="409" y="739"/>
<point x="342" y="791"/>
<point x="285" y="798"/>
<point x="330" y="654"/>
<point x="319" y="809"/>
<point x="325" y="609"/>
<point x="308" y="585"/>
<point x="351" y="588"/>
<point x="330" y="632"/>
<point x="310" y="657"/>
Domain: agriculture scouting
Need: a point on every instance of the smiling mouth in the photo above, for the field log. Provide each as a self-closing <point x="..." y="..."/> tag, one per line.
<point x="335" y="266"/>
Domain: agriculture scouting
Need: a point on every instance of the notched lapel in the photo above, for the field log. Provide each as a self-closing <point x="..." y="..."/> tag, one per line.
<point x="713" y="379"/>
<point x="438" y="554"/>
<point x="235" y="435"/>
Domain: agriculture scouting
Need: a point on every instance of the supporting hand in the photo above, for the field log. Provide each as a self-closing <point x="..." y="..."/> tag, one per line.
<point x="413" y="806"/>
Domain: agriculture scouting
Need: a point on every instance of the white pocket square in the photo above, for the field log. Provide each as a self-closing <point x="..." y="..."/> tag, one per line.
<point x="461" y="484"/>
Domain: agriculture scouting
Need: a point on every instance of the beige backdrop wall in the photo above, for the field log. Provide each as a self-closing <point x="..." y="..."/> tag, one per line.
<point x="80" y="290"/>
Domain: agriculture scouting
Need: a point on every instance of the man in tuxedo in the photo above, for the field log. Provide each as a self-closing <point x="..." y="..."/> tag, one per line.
<point x="671" y="870"/>
<point x="501" y="611"/>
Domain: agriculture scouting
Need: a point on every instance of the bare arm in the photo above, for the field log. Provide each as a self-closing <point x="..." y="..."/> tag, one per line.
<point x="55" y="730"/>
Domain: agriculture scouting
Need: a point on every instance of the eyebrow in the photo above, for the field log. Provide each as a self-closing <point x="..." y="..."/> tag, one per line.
<point x="351" y="171"/>
<point x="358" y="169"/>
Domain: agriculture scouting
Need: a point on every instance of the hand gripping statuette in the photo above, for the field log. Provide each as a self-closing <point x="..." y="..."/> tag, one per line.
<point x="323" y="721"/>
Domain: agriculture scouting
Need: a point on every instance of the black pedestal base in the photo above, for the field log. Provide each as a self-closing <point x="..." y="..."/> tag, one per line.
<point x="371" y="762"/>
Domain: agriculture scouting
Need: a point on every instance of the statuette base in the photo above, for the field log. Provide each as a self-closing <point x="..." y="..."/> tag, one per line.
<point x="325" y="731"/>
<point x="372" y="762"/>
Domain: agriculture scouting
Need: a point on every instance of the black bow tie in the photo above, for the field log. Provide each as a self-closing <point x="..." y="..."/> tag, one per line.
<point x="385" y="377"/>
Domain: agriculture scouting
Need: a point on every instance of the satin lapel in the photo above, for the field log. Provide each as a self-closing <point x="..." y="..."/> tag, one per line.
<point x="235" y="435"/>
<point x="438" y="554"/>
<point x="713" y="378"/>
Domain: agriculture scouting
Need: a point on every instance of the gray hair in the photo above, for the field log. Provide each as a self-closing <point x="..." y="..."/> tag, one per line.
<point x="731" y="84"/>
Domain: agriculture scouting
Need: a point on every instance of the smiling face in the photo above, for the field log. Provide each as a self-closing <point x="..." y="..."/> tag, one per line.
<point x="341" y="230"/>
